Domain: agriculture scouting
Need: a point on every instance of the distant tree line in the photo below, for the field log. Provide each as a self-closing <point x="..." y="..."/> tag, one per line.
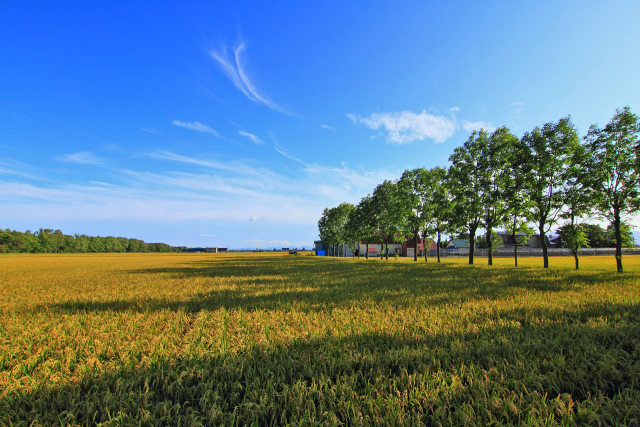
<point x="525" y="185"/>
<point x="53" y="241"/>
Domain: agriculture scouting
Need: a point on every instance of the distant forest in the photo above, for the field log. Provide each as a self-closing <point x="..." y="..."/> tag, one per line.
<point x="54" y="241"/>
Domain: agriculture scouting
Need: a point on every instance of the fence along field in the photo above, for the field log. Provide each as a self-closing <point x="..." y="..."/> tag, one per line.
<point x="271" y="338"/>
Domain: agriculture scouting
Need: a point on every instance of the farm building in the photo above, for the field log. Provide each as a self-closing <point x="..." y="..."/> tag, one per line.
<point x="408" y="247"/>
<point x="405" y="248"/>
<point x="459" y="244"/>
<point x="532" y="242"/>
<point x="322" y="249"/>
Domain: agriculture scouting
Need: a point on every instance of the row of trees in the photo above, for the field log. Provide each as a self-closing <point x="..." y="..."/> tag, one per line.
<point x="53" y="241"/>
<point x="499" y="180"/>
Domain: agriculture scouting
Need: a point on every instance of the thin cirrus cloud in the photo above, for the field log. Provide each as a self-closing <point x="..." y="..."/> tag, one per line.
<point x="196" y="126"/>
<point x="83" y="158"/>
<point x="407" y="126"/>
<point x="471" y="126"/>
<point x="251" y="136"/>
<point x="234" y="68"/>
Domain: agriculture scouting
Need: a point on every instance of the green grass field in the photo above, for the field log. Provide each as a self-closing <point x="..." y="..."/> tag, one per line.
<point x="274" y="338"/>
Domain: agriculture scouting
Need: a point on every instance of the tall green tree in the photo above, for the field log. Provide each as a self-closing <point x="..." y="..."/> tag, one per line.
<point x="327" y="229"/>
<point x="367" y="222"/>
<point x="548" y="155"/>
<point x="360" y="226"/>
<point x="332" y="227"/>
<point x="494" y="182"/>
<point x="613" y="170"/>
<point x="465" y="176"/>
<point x="392" y="208"/>
<point x="578" y="201"/>
<point x="442" y="205"/>
<point x="417" y="187"/>
<point x="516" y="198"/>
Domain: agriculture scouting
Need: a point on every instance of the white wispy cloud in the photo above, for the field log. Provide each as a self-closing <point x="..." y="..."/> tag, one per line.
<point x="234" y="66"/>
<point x="471" y="126"/>
<point x="150" y="130"/>
<point x="286" y="154"/>
<point x="196" y="126"/>
<point x="407" y="126"/>
<point x="251" y="136"/>
<point x="83" y="158"/>
<point x="236" y="166"/>
<point x="327" y="127"/>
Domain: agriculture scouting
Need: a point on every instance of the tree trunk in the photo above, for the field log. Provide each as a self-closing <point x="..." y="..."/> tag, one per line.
<point x="415" y="246"/>
<point x="424" y="249"/>
<point x="616" y="225"/>
<point x="386" y="251"/>
<point x="489" y="246"/>
<point x="438" y="245"/>
<point x="472" y="242"/>
<point x="366" y="255"/>
<point x="575" y="247"/>
<point x="543" y="243"/>
<point x="515" y="241"/>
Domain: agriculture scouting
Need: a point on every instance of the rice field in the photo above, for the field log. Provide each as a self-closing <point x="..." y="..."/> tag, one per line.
<point x="280" y="339"/>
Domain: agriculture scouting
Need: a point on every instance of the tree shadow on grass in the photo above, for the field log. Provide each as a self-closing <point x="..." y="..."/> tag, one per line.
<point x="558" y="366"/>
<point x="273" y="283"/>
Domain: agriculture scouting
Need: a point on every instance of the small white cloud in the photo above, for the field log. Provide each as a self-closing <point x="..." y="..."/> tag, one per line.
<point x="327" y="127"/>
<point x="196" y="126"/>
<point x="255" y="219"/>
<point x="406" y="126"/>
<point x="83" y="157"/>
<point x="454" y="109"/>
<point x="471" y="126"/>
<point x="517" y="104"/>
<point x="251" y="136"/>
<point x="152" y="131"/>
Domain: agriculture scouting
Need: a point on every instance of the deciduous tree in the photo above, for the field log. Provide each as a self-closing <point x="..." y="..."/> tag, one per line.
<point x="464" y="179"/>
<point x="613" y="170"/>
<point x="548" y="155"/>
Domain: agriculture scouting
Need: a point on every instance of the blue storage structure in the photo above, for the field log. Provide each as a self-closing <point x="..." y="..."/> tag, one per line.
<point x="320" y="248"/>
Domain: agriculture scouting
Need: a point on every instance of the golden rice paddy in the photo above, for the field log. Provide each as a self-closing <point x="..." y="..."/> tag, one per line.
<point x="274" y="338"/>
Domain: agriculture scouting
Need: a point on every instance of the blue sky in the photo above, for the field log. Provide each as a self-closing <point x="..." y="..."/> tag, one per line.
<point x="206" y="123"/>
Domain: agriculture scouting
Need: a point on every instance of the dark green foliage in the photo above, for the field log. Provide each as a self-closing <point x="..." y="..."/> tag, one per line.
<point x="598" y="237"/>
<point x="333" y="226"/>
<point x="53" y="241"/>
